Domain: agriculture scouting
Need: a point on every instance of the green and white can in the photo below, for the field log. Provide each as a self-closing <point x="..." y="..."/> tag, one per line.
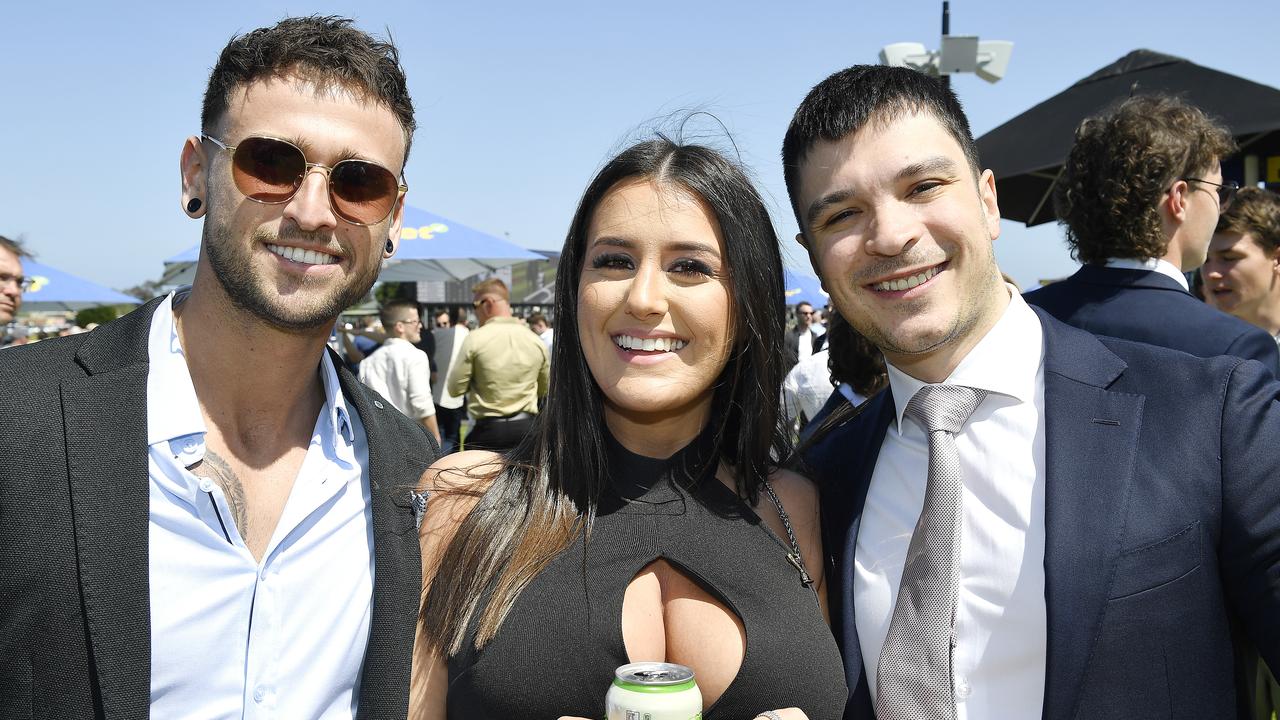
<point x="653" y="691"/>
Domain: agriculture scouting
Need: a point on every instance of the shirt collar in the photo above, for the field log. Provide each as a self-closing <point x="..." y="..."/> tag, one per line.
<point x="173" y="410"/>
<point x="1160" y="265"/>
<point x="1005" y="361"/>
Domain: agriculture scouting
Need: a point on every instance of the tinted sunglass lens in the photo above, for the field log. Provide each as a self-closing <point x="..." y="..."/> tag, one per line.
<point x="268" y="170"/>
<point x="1227" y="193"/>
<point x="363" y="192"/>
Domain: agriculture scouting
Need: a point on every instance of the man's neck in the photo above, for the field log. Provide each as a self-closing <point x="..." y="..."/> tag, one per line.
<point x="251" y="379"/>
<point x="1269" y="317"/>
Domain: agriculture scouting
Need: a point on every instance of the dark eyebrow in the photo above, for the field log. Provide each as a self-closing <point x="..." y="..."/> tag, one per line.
<point x="682" y="245"/>
<point x="939" y="164"/>
<point x="824" y="202"/>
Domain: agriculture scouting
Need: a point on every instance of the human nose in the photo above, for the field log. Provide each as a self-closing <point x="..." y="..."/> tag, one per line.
<point x="894" y="228"/>
<point x="311" y="208"/>
<point x="647" y="294"/>
<point x="1210" y="269"/>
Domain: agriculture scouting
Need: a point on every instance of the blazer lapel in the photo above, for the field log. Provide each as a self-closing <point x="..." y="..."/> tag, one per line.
<point x="105" y="416"/>
<point x="397" y="576"/>
<point x="1091" y="436"/>
<point x="850" y="464"/>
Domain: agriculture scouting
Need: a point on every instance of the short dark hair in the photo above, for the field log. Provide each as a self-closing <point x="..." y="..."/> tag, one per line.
<point x="535" y="318"/>
<point x="848" y="100"/>
<point x="1254" y="212"/>
<point x="554" y="480"/>
<point x="390" y="313"/>
<point x="14" y="247"/>
<point x="327" y="50"/>
<point x="1123" y="160"/>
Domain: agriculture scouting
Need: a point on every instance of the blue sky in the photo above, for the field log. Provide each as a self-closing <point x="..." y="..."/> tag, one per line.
<point x="518" y="103"/>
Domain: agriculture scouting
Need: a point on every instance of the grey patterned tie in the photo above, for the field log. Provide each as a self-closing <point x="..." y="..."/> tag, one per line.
<point x="914" y="677"/>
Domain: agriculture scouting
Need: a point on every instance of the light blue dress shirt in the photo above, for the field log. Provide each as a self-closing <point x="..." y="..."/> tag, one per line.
<point x="231" y="637"/>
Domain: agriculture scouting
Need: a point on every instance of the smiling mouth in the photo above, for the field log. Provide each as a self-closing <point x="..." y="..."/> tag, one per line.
<point x="906" y="283"/>
<point x="627" y="342"/>
<point x="304" y="257"/>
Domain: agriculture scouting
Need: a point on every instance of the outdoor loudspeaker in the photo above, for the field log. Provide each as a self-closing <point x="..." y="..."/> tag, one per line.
<point x="993" y="59"/>
<point x="906" y="54"/>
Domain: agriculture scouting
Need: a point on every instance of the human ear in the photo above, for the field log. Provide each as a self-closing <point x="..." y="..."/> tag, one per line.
<point x="195" y="186"/>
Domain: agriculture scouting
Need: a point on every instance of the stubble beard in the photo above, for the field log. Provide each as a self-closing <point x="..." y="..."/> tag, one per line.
<point x="232" y="265"/>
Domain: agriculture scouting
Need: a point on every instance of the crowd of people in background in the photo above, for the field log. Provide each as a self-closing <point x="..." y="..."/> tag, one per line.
<point x="932" y="493"/>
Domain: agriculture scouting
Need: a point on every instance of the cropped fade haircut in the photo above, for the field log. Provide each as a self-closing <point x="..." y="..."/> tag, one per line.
<point x="326" y="50"/>
<point x="1254" y="212"/>
<point x="1123" y="161"/>
<point x="847" y="101"/>
<point x="491" y="286"/>
<point x="390" y="313"/>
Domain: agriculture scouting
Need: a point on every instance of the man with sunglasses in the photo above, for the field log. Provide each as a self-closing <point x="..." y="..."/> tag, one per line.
<point x="398" y="370"/>
<point x="204" y="513"/>
<point x="1140" y="196"/>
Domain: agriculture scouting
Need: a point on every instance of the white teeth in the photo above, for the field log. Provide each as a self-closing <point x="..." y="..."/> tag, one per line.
<point x="908" y="282"/>
<point x="306" y="257"/>
<point x="627" y="342"/>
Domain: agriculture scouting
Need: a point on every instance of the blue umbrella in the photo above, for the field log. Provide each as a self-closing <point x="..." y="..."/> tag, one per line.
<point x="52" y="289"/>
<point x="431" y="248"/>
<point x="802" y="288"/>
<point x="436" y="248"/>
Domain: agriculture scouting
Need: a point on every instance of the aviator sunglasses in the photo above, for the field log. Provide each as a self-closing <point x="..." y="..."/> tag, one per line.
<point x="270" y="171"/>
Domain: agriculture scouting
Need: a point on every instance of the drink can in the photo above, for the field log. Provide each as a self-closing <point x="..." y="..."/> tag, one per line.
<point x="653" y="691"/>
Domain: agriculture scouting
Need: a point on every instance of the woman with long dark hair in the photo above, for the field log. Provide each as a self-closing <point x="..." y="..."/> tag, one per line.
<point x="645" y="516"/>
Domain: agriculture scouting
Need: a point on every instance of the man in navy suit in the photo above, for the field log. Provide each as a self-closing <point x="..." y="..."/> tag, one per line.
<point x="1140" y="196"/>
<point x="1117" y="500"/>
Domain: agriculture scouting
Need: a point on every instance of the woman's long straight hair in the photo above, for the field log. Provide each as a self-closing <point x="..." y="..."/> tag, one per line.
<point x="546" y="494"/>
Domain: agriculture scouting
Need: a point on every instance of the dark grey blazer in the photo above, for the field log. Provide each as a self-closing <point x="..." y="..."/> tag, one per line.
<point x="75" y="638"/>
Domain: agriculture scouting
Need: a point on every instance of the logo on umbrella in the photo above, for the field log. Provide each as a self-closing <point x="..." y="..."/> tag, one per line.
<point x="426" y="232"/>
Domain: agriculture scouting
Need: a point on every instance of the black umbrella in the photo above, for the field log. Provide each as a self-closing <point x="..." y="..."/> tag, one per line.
<point x="1027" y="152"/>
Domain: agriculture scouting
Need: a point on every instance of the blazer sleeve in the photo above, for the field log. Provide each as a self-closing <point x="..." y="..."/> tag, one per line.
<point x="1250" y="542"/>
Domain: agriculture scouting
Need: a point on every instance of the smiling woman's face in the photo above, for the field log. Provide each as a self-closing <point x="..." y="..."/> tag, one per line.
<point x="653" y="302"/>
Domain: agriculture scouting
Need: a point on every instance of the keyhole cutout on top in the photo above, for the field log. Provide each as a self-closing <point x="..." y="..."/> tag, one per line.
<point x="669" y="616"/>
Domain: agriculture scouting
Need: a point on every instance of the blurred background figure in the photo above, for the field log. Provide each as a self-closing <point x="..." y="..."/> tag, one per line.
<point x="449" y="408"/>
<point x="1140" y="195"/>
<point x="399" y="371"/>
<point x="12" y="281"/>
<point x="502" y="369"/>
<point x="798" y="343"/>
<point x="539" y="325"/>
<point x="852" y="370"/>
<point x="1242" y="273"/>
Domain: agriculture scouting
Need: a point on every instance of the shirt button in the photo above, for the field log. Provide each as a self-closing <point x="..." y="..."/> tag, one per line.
<point x="263" y="574"/>
<point x="259" y="694"/>
<point x="206" y="485"/>
<point x="963" y="689"/>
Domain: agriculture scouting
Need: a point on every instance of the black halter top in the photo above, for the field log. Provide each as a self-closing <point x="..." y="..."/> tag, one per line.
<point x="556" y="652"/>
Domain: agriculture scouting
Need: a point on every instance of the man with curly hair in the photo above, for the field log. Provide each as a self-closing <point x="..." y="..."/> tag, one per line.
<point x="1140" y="196"/>
<point x="1242" y="272"/>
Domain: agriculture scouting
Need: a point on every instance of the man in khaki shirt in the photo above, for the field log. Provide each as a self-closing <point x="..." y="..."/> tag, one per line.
<point x="503" y="368"/>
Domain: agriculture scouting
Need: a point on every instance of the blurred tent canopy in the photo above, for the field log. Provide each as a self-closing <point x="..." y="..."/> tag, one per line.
<point x="53" y="289"/>
<point x="431" y="248"/>
<point x="800" y="288"/>
<point x="1027" y="153"/>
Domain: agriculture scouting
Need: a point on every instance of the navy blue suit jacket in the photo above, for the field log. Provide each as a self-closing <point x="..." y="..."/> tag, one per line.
<point x="1162" y="514"/>
<point x="1146" y="306"/>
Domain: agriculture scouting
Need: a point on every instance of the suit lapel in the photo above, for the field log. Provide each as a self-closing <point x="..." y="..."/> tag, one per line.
<point x="1091" y="436"/>
<point x="105" y="417"/>
<point x="397" y="578"/>
<point x="850" y="462"/>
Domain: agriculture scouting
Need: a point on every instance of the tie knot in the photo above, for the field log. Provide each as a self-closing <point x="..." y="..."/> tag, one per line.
<point x="944" y="407"/>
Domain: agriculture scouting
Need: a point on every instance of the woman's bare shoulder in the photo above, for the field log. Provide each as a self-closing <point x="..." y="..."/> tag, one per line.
<point x="795" y="490"/>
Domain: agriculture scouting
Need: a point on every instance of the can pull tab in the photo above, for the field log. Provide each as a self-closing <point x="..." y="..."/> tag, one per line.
<point x="805" y="580"/>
